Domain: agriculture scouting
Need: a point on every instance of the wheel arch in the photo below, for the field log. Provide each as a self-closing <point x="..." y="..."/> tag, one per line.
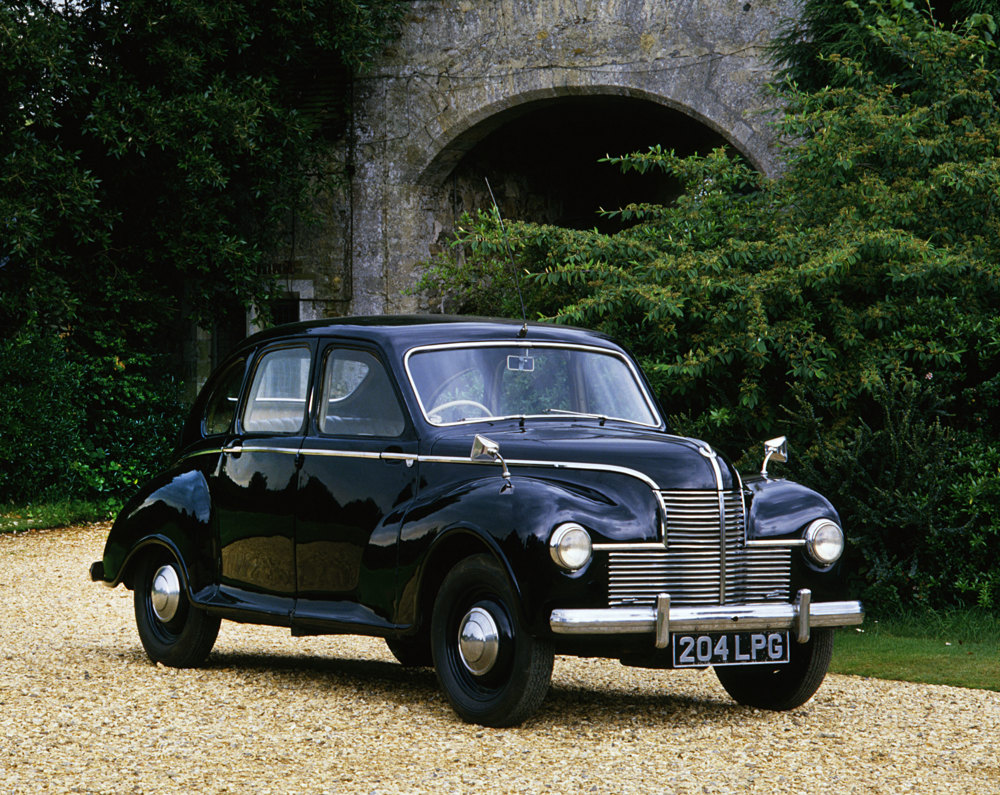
<point x="450" y="548"/>
<point x="174" y="513"/>
<point x="146" y="546"/>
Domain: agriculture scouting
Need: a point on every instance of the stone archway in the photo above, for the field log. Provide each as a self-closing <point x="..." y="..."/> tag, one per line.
<point x="542" y="158"/>
<point x="465" y="71"/>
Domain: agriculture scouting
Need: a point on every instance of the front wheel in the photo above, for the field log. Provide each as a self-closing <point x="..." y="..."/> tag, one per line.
<point x="172" y="630"/>
<point x="490" y="668"/>
<point x="781" y="687"/>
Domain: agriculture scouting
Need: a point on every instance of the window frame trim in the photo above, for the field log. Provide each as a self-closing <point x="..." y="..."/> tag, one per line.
<point x="211" y="392"/>
<point x="632" y="366"/>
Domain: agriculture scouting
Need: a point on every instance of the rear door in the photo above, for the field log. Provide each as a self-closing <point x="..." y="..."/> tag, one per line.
<point x="256" y="488"/>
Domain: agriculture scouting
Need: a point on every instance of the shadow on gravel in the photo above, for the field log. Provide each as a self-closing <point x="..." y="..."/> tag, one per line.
<point x="417" y="688"/>
<point x="314" y="671"/>
<point x="617" y="709"/>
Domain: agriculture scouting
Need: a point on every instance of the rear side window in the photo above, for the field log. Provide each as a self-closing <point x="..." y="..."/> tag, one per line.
<point x="276" y="402"/>
<point x="221" y="406"/>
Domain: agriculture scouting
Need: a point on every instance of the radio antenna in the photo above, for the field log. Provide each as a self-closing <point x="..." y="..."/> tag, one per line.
<point x="506" y="244"/>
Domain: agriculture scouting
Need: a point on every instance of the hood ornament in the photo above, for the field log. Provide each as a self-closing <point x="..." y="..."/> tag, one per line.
<point x="776" y="449"/>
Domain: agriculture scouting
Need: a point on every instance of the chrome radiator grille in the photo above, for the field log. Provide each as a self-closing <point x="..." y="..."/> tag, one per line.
<point x="698" y="551"/>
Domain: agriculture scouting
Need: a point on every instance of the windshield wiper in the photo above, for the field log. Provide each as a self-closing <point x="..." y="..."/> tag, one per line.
<point x="583" y="414"/>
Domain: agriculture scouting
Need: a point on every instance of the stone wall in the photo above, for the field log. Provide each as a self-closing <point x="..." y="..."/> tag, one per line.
<point x="463" y="70"/>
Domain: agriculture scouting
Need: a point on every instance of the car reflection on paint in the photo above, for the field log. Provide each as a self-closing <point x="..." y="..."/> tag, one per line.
<point x="483" y="495"/>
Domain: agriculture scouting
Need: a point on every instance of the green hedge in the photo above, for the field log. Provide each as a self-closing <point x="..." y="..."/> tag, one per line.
<point x="76" y="427"/>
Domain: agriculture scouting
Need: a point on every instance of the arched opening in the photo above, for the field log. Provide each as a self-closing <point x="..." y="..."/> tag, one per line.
<point x="542" y="158"/>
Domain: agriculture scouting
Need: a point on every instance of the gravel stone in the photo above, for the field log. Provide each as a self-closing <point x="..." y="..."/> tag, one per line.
<point x="83" y="710"/>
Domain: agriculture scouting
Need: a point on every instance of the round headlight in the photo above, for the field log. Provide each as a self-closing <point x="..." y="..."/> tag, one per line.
<point x="824" y="541"/>
<point x="570" y="546"/>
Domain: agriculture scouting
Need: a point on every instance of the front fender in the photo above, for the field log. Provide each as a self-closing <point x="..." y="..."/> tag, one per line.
<point x="173" y="511"/>
<point x="783" y="509"/>
<point x="441" y="527"/>
<point x="514" y="525"/>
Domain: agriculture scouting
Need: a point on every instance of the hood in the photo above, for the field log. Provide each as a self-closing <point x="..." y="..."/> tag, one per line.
<point x="672" y="462"/>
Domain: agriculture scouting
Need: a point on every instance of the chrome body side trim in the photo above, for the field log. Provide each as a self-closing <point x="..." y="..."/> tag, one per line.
<point x="199" y="453"/>
<point x="434" y="459"/>
<point x="353" y="454"/>
<point x="800" y="617"/>
<point x="237" y="449"/>
<point x="522" y="462"/>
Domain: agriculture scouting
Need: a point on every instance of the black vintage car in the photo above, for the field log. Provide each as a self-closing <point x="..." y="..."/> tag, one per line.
<point x="483" y="495"/>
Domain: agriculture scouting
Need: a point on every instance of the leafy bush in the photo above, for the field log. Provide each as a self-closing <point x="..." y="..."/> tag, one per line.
<point x="919" y="500"/>
<point x="89" y="430"/>
<point x="868" y="268"/>
<point x="41" y="419"/>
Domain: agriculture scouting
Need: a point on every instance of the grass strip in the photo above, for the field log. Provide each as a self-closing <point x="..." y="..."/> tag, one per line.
<point x="953" y="647"/>
<point x="18" y="518"/>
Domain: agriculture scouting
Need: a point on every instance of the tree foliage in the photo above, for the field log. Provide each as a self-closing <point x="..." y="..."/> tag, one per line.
<point x="152" y="153"/>
<point x="873" y="260"/>
<point x="820" y="29"/>
<point x="152" y="158"/>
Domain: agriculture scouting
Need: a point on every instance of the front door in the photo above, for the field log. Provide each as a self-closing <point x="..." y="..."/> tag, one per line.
<point x="355" y="483"/>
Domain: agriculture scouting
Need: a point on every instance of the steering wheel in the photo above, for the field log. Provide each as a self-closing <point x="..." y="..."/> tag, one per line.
<point x="435" y="413"/>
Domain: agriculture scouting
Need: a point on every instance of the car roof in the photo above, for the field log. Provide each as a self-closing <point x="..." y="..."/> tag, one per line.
<point x="403" y="332"/>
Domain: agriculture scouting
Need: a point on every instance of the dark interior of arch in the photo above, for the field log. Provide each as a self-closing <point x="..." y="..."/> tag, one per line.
<point x="542" y="159"/>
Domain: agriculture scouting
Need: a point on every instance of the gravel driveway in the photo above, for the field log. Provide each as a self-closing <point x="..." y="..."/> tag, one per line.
<point x="82" y="710"/>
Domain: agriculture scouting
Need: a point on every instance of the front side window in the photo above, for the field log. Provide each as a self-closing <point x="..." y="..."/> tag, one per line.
<point x="276" y="402"/>
<point x="221" y="406"/>
<point x="358" y="398"/>
<point x="466" y="383"/>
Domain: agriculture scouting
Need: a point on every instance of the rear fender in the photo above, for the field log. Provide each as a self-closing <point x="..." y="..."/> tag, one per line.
<point x="173" y="512"/>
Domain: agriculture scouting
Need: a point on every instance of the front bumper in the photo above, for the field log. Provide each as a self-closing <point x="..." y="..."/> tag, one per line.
<point x="799" y="617"/>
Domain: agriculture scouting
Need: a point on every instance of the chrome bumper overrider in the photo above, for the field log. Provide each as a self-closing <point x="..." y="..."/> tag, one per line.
<point x="799" y="617"/>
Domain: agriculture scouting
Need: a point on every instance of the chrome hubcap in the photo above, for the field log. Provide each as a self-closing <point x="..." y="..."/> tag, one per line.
<point x="165" y="594"/>
<point x="478" y="641"/>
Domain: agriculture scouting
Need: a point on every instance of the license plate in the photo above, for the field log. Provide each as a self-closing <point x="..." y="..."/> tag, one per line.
<point x="730" y="648"/>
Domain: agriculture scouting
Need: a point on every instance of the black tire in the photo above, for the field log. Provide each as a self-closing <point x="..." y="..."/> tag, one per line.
<point x="781" y="687"/>
<point x="514" y="685"/>
<point x="186" y="638"/>
<point x="412" y="652"/>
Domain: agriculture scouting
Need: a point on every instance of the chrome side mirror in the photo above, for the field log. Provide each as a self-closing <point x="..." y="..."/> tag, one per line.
<point x="484" y="449"/>
<point x="774" y="450"/>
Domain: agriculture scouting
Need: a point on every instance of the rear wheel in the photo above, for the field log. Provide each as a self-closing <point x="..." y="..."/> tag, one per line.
<point x="781" y="687"/>
<point x="172" y="630"/>
<point x="490" y="668"/>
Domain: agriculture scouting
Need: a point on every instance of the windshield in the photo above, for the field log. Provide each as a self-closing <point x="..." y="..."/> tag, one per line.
<point x="470" y="383"/>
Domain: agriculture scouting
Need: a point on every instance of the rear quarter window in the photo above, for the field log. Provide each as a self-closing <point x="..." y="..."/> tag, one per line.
<point x="220" y="408"/>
